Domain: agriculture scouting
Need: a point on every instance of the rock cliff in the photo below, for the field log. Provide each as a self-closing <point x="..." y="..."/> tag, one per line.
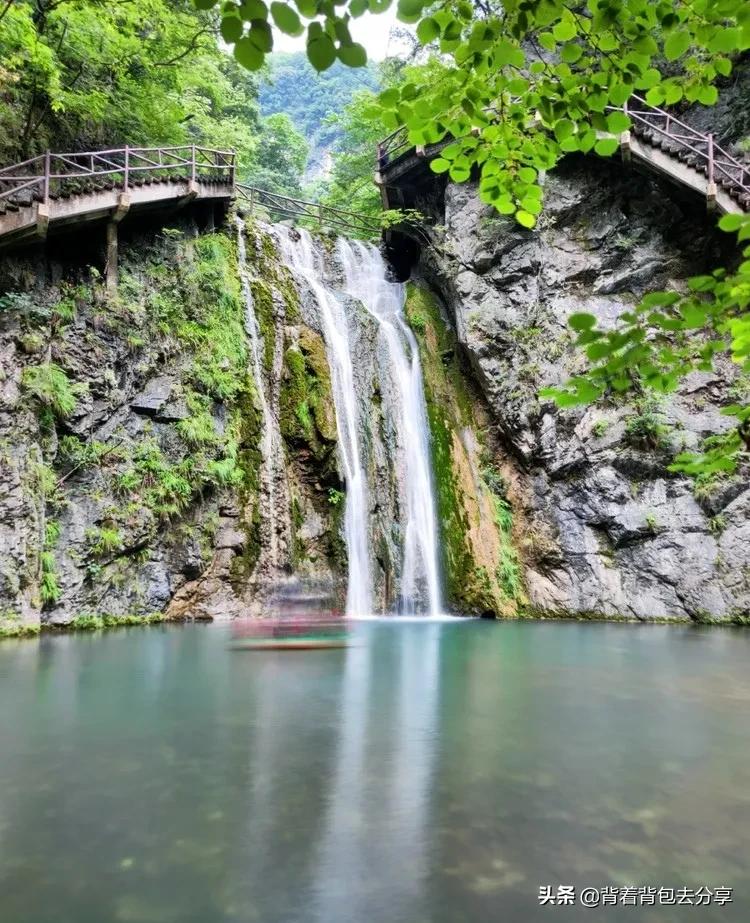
<point x="609" y="531"/>
<point x="130" y="432"/>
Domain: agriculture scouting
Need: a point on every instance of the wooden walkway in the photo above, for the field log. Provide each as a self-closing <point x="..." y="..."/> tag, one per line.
<point x="658" y="142"/>
<point x="54" y="192"/>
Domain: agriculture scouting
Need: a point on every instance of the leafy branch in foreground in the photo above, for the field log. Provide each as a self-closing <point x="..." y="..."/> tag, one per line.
<point x="667" y="336"/>
<point x="520" y="84"/>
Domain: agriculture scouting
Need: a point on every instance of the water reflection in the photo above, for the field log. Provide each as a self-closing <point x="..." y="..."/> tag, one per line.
<point x="433" y="772"/>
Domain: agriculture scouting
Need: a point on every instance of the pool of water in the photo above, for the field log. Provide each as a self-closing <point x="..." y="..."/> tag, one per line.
<point x="431" y="773"/>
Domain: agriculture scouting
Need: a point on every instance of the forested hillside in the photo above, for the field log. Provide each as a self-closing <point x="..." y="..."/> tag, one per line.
<point x="311" y="99"/>
<point x="83" y="75"/>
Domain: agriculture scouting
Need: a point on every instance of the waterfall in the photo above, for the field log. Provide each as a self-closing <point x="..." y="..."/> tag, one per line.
<point x="301" y="257"/>
<point x="366" y="280"/>
<point x="271" y="473"/>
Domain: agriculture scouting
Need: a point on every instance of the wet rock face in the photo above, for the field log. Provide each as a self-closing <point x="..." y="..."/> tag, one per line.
<point x="130" y="440"/>
<point x="610" y="530"/>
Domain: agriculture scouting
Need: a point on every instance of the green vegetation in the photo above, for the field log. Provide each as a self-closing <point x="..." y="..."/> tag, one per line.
<point x="51" y="388"/>
<point x="86" y="75"/>
<point x="647" y="428"/>
<point x="335" y="497"/>
<point x="600" y="428"/>
<point x="88" y="621"/>
<point x="312" y="101"/>
<point x="480" y="564"/>
<point x="306" y="403"/>
<point x="104" y="541"/>
<point x="49" y="589"/>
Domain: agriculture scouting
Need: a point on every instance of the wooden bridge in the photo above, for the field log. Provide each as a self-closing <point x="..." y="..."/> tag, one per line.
<point x="658" y="142"/>
<point x="54" y="192"/>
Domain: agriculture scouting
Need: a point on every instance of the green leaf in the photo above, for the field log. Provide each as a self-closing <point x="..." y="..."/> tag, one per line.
<point x="564" y="31"/>
<point x="571" y="53"/>
<point x="410" y="10"/>
<point x="563" y="129"/>
<point x="525" y="218"/>
<point x="353" y="55"/>
<point x="248" y="54"/>
<point x="732" y="222"/>
<point x="605" y="147"/>
<point x="655" y="96"/>
<point x="726" y="41"/>
<point x="321" y="52"/>
<point x="708" y="95"/>
<point x="428" y="30"/>
<point x="231" y="29"/>
<point x="617" y="122"/>
<point x="286" y="19"/>
<point x="438" y="165"/>
<point x="253" y="9"/>
<point x="260" y="35"/>
<point x="581" y="321"/>
<point x="677" y="44"/>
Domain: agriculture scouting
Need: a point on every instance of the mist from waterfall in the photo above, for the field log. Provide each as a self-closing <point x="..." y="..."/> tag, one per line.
<point x="306" y="264"/>
<point x="366" y="280"/>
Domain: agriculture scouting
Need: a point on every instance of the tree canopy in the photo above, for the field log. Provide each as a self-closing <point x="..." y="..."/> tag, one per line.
<point x="87" y="74"/>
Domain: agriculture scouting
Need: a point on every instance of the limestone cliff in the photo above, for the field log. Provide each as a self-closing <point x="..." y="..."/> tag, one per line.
<point x="609" y="531"/>
<point x="129" y="432"/>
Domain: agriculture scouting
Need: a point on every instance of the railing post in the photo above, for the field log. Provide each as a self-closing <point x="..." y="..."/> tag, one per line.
<point x="192" y="165"/>
<point x="710" y="159"/>
<point x="320" y="215"/>
<point x="252" y="200"/>
<point x="46" y="177"/>
<point x="126" y="182"/>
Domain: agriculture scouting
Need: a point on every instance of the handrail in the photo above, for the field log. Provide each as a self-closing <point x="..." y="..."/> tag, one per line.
<point x="43" y="178"/>
<point x="712" y="159"/>
<point x="58" y="169"/>
<point x="288" y="207"/>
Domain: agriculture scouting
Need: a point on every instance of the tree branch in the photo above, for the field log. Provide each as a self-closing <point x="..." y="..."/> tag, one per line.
<point x="192" y="46"/>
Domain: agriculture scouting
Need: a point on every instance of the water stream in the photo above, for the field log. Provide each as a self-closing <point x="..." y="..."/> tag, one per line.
<point x="307" y="265"/>
<point x="367" y="281"/>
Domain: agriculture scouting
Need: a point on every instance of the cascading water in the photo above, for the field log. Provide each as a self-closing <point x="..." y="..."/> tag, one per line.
<point x="366" y="280"/>
<point x="271" y="446"/>
<point x="301" y="257"/>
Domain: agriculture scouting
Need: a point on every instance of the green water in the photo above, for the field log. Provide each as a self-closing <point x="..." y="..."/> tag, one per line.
<point x="432" y="773"/>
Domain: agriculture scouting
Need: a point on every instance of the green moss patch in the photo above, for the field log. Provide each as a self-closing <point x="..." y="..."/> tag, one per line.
<point x="480" y="565"/>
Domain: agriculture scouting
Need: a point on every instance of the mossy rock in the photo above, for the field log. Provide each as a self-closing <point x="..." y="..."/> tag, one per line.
<point x="480" y="564"/>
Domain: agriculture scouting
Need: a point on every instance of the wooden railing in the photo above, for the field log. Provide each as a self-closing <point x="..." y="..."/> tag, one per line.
<point x="278" y="206"/>
<point x="718" y="165"/>
<point x="675" y="137"/>
<point x="52" y="175"/>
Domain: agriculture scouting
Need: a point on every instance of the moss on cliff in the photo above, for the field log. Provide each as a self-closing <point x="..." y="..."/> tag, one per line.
<point x="480" y="564"/>
<point x="306" y="400"/>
